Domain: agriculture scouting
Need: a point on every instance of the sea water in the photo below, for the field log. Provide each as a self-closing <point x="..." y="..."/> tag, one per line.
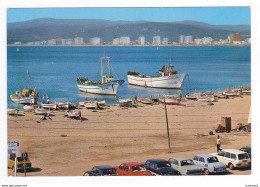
<point x="53" y="70"/>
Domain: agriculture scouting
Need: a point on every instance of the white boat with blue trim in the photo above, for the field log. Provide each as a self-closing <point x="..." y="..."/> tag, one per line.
<point x="107" y="86"/>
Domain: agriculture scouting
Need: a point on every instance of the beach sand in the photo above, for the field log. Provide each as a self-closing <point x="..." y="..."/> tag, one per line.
<point x="116" y="135"/>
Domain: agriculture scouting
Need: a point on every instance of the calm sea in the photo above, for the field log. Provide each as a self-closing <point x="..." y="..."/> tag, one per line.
<point x="53" y="70"/>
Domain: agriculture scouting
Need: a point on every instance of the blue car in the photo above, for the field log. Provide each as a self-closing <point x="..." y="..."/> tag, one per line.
<point x="160" y="167"/>
<point x="101" y="171"/>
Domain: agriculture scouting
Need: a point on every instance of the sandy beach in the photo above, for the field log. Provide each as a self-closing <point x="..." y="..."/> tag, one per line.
<point x="68" y="147"/>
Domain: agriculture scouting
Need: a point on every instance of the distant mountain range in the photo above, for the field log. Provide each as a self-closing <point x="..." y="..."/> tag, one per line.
<point x="48" y="28"/>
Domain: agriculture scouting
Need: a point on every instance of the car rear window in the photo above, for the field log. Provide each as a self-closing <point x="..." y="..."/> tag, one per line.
<point x="163" y="164"/>
<point x="212" y="159"/>
<point x="243" y="156"/>
<point x="202" y="159"/>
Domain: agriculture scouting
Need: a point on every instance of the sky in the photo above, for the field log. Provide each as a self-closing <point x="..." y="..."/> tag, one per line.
<point x="211" y="15"/>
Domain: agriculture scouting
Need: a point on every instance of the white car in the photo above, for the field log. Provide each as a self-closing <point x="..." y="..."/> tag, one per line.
<point x="233" y="158"/>
<point x="209" y="163"/>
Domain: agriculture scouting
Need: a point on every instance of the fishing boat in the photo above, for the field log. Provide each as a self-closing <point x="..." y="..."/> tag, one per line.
<point x="145" y="100"/>
<point x="64" y="106"/>
<point x="74" y="114"/>
<point x="27" y="96"/>
<point x="91" y="104"/>
<point x="166" y="78"/>
<point x="169" y="100"/>
<point x="29" y="107"/>
<point x="232" y="93"/>
<point x="192" y="96"/>
<point x="206" y="98"/>
<point x="107" y="86"/>
<point x="102" y="103"/>
<point x="125" y="102"/>
<point x="48" y="104"/>
<point x="41" y="111"/>
<point x="12" y="112"/>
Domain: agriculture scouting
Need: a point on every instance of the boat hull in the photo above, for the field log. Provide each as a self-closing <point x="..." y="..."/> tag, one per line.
<point x="25" y="100"/>
<point x="51" y="106"/>
<point x="109" y="88"/>
<point x="174" y="81"/>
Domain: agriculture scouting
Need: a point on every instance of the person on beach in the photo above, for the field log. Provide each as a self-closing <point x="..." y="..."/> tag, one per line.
<point x="218" y="144"/>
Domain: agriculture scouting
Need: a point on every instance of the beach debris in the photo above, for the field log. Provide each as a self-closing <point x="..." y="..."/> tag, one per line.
<point x="243" y="128"/>
<point x="210" y="133"/>
<point x="63" y="135"/>
<point x="225" y="125"/>
<point x="198" y="135"/>
<point x="210" y="103"/>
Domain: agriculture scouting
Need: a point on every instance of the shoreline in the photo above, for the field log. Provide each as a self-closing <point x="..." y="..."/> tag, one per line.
<point x="116" y="135"/>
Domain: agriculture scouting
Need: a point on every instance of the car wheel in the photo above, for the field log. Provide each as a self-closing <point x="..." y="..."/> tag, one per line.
<point x="86" y="174"/>
<point x="206" y="171"/>
<point x="231" y="166"/>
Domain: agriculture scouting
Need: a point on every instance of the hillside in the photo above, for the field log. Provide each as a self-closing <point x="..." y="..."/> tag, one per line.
<point x="48" y="28"/>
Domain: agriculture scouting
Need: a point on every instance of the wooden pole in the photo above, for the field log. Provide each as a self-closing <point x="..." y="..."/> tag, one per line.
<point x="169" y="142"/>
<point x="15" y="166"/>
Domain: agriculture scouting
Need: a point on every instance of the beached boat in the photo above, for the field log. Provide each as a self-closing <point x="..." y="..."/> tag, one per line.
<point x="107" y="86"/>
<point x="41" y="111"/>
<point x="64" y="106"/>
<point x="48" y="104"/>
<point x="91" y="104"/>
<point x="232" y="93"/>
<point x="12" y="112"/>
<point x="169" y="100"/>
<point x="27" y="96"/>
<point x="102" y="103"/>
<point x="145" y="100"/>
<point x="29" y="107"/>
<point x="125" y="102"/>
<point x="206" y="98"/>
<point x="167" y="78"/>
<point x="192" y="96"/>
<point x="74" y="114"/>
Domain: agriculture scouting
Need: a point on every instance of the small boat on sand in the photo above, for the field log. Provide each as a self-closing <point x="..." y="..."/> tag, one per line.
<point x="169" y="100"/>
<point x="29" y="107"/>
<point x="102" y="103"/>
<point x="91" y="104"/>
<point x="64" y="106"/>
<point x="74" y="114"/>
<point x="48" y="104"/>
<point x="206" y="98"/>
<point x="145" y="100"/>
<point x="41" y="111"/>
<point x="125" y="102"/>
<point x="12" y="112"/>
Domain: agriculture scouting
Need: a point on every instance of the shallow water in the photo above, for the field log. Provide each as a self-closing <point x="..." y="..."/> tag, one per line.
<point x="53" y="70"/>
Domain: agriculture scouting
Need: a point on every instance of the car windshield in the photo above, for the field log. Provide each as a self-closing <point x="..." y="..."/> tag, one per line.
<point x="19" y="159"/>
<point x="187" y="162"/>
<point x="163" y="165"/>
<point x="109" y="172"/>
<point x="138" y="168"/>
<point x="243" y="156"/>
<point x="212" y="159"/>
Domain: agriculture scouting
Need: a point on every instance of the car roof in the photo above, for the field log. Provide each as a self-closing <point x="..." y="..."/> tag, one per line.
<point x="104" y="167"/>
<point x="132" y="163"/>
<point x="180" y="158"/>
<point x="204" y="155"/>
<point x="157" y="160"/>
<point x="236" y="151"/>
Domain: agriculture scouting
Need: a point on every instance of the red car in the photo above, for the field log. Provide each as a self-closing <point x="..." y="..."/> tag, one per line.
<point x="132" y="169"/>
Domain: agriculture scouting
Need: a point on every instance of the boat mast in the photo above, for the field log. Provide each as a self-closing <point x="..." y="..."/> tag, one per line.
<point x="101" y="65"/>
<point x="108" y="65"/>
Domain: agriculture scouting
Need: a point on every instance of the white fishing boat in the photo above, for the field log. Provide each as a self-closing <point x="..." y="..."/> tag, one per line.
<point x="145" y="100"/>
<point x="29" y="107"/>
<point x="41" y="111"/>
<point x="192" y="96"/>
<point x="232" y="93"/>
<point x="102" y="103"/>
<point x="12" y="112"/>
<point x="125" y="102"/>
<point x="27" y="96"/>
<point x="64" y="106"/>
<point x="91" y="104"/>
<point x="48" y="104"/>
<point x="107" y="86"/>
<point x="169" y="100"/>
<point x="167" y="78"/>
<point x="206" y="98"/>
<point x="74" y="114"/>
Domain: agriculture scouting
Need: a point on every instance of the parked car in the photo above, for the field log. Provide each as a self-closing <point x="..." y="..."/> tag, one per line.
<point x="132" y="169"/>
<point x="209" y="163"/>
<point x="234" y="158"/>
<point x="246" y="149"/>
<point x="101" y="171"/>
<point x="160" y="167"/>
<point x="185" y="166"/>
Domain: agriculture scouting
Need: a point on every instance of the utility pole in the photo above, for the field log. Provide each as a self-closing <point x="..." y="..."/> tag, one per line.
<point x="169" y="142"/>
